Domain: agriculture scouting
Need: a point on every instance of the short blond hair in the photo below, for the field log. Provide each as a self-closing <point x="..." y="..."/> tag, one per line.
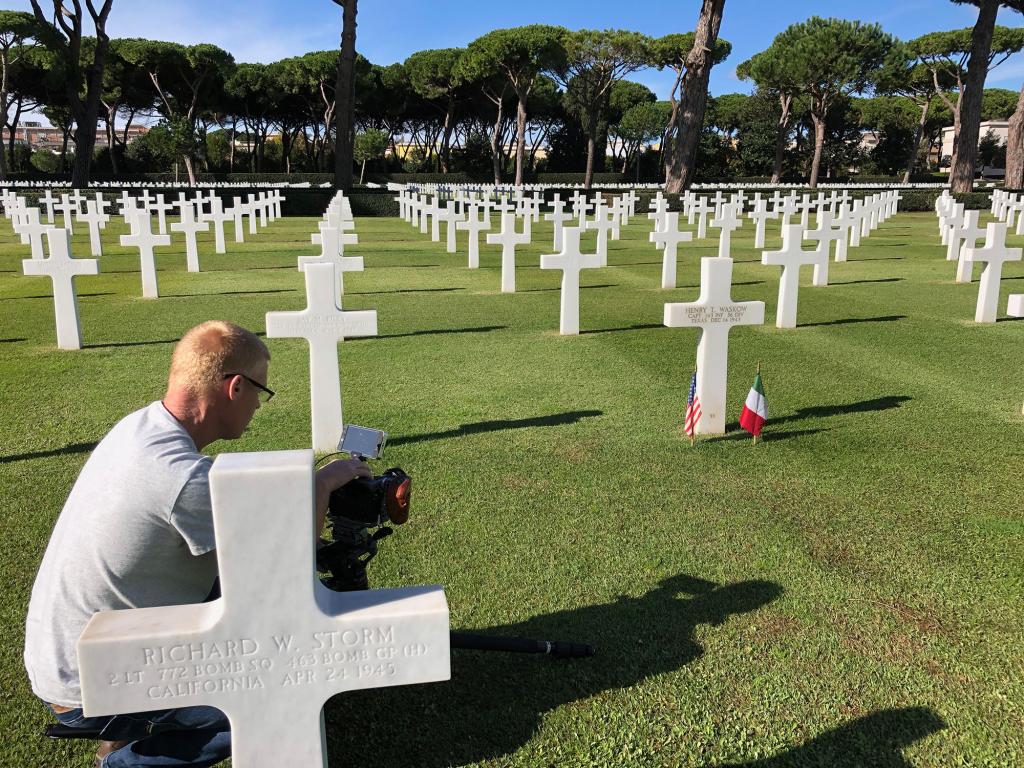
<point x="210" y="350"/>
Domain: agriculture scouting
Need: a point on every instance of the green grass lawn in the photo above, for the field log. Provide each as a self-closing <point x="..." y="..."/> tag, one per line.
<point x="847" y="593"/>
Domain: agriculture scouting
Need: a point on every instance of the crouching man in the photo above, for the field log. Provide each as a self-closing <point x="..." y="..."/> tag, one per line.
<point x="137" y="532"/>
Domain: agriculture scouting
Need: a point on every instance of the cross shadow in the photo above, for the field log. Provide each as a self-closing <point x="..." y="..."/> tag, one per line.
<point x="66" y="450"/>
<point x="875" y="740"/>
<point x="495" y="702"/>
<point x="889" y="245"/>
<point x="50" y="296"/>
<point x="557" y="419"/>
<point x="116" y="344"/>
<point x="1008" y="319"/>
<point x="638" y="327"/>
<point x="768" y="437"/>
<point x="864" y="282"/>
<point x="404" y="290"/>
<point x="824" y="411"/>
<point x="11" y="341"/>
<point x="853" y="320"/>
<point x="582" y="288"/>
<point x="226" y="293"/>
<point x="881" y="258"/>
<point x="437" y="332"/>
<point x="400" y="266"/>
<point x="249" y="268"/>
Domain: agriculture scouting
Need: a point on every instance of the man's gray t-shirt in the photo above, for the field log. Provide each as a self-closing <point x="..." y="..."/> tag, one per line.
<point x="135" y="532"/>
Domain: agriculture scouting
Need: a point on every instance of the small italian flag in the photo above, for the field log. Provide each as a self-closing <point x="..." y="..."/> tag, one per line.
<point x="755" y="410"/>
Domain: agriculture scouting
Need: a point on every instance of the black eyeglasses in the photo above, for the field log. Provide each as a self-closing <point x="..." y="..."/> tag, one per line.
<point x="265" y="393"/>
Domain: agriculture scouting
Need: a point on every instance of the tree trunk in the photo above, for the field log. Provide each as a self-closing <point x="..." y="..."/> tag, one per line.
<point x="496" y="141"/>
<point x="190" y="168"/>
<point x="446" y="137"/>
<point x="916" y="146"/>
<point x="1015" y="147"/>
<point x="344" y="93"/>
<point x="521" y="137"/>
<point x="14" y="129"/>
<point x="231" y="147"/>
<point x="682" y="155"/>
<point x="819" y="145"/>
<point x="965" y="157"/>
<point x="362" y="172"/>
<point x="588" y="178"/>
<point x="785" y="102"/>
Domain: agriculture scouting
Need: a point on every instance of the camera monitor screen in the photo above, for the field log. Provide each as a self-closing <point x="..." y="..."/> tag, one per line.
<point x="363" y="441"/>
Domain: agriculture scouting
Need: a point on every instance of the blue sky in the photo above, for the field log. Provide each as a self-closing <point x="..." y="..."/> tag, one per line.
<point x="390" y="30"/>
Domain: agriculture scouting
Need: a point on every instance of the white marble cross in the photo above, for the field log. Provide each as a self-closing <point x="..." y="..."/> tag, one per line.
<point x="791" y="257"/>
<point x="219" y="217"/>
<point x="760" y="215"/>
<point x="277" y="644"/>
<point x="669" y="239"/>
<point x="994" y="254"/>
<point x="715" y="313"/>
<point x="66" y="209"/>
<point x="701" y="209"/>
<point x="332" y="251"/>
<point x="508" y="239"/>
<point x="475" y="224"/>
<point x="966" y="236"/>
<point x="451" y="218"/>
<point x="238" y="214"/>
<point x="726" y="222"/>
<point x="570" y="260"/>
<point x="32" y="231"/>
<point x="323" y="324"/>
<point x="161" y="207"/>
<point x="96" y="219"/>
<point x="823" y="235"/>
<point x="48" y="201"/>
<point x="62" y="270"/>
<point x="603" y="223"/>
<point x="1015" y="305"/>
<point x="558" y="217"/>
<point x="189" y="225"/>
<point x="143" y="238"/>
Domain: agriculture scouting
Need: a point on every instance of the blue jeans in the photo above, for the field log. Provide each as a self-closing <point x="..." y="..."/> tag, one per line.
<point x="190" y="737"/>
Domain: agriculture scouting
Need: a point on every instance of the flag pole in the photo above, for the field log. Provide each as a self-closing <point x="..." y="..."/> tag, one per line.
<point x="693" y="435"/>
<point x="758" y="373"/>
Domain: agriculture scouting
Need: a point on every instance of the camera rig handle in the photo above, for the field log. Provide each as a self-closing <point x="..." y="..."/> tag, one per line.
<point x="554" y="648"/>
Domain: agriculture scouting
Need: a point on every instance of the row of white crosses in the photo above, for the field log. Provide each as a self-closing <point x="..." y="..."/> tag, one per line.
<point x="62" y="268"/>
<point x="323" y="323"/>
<point x="960" y="232"/>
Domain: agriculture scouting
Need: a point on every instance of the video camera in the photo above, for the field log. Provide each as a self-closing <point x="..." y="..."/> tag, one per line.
<point x="358" y="506"/>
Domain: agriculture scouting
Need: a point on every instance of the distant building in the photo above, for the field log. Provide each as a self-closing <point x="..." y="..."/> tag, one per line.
<point x="999" y="128"/>
<point x="42" y="137"/>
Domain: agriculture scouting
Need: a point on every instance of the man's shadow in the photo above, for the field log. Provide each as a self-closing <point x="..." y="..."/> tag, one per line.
<point x="876" y="740"/>
<point x="494" y="702"/>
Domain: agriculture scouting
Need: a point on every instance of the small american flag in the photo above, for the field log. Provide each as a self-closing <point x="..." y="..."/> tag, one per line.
<point x="692" y="408"/>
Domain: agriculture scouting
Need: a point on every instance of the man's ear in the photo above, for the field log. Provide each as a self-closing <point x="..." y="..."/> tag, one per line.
<point x="232" y="387"/>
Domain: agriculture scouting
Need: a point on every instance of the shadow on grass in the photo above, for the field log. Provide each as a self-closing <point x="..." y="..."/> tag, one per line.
<point x="881" y="258"/>
<point x="66" y="450"/>
<point x="768" y="437"/>
<point x="437" y="332"/>
<point x="495" y="702"/>
<point x="582" y="288"/>
<point x="876" y="740"/>
<point x="11" y="341"/>
<point x="854" y="320"/>
<point x="50" y="296"/>
<point x="227" y="293"/>
<point x="638" y="327"/>
<point x="117" y="344"/>
<point x="400" y="266"/>
<point x="557" y="419"/>
<point x="823" y="411"/>
<point x="405" y="290"/>
<point x="865" y="282"/>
